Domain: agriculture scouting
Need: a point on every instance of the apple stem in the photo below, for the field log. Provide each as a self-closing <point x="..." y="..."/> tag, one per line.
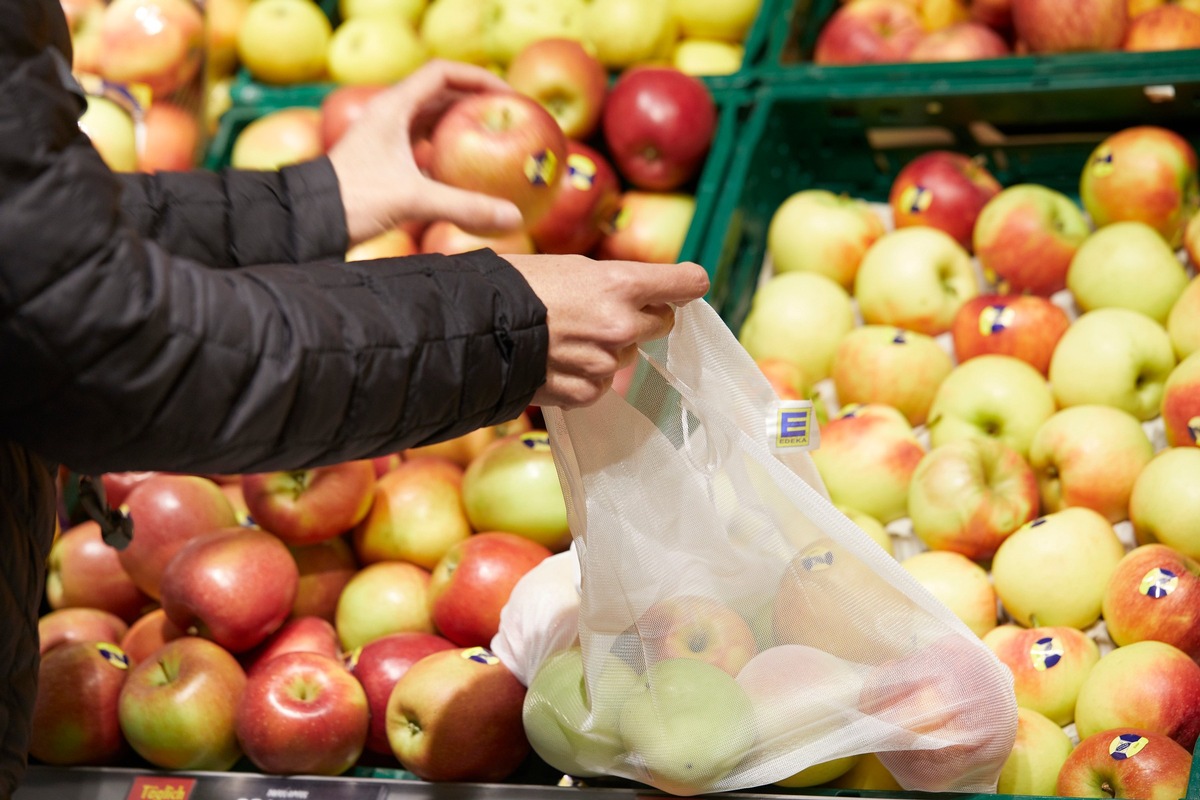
<point x="299" y="480"/>
<point x="1108" y="790"/>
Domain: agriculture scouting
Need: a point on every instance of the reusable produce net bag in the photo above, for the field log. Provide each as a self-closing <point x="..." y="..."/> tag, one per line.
<point x="734" y="628"/>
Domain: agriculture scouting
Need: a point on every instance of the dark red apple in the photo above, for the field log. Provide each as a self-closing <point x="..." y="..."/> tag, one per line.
<point x="1025" y="326"/>
<point x="944" y="190"/>
<point x="298" y="635"/>
<point x="75" y="718"/>
<point x="586" y="204"/>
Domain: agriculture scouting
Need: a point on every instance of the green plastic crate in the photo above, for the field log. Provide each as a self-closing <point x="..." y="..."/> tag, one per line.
<point x="854" y="137"/>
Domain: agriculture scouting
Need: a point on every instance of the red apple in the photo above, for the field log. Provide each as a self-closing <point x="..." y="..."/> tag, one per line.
<point x="1181" y="403"/>
<point x="342" y="107"/>
<point x="472" y="582"/>
<point x="455" y="715"/>
<point x="501" y="144"/>
<point x="1167" y="27"/>
<point x="1155" y="594"/>
<point x="996" y="14"/>
<point x="1024" y="326"/>
<point x="297" y="635"/>
<point x="658" y="124"/>
<point x="324" y="570"/>
<point x="79" y="625"/>
<point x="1126" y="762"/>
<point x="448" y="239"/>
<point x="83" y="570"/>
<point x="303" y="713"/>
<point x="963" y="41"/>
<point x="310" y="505"/>
<point x="649" y="226"/>
<point x="118" y="485"/>
<point x="75" y="718"/>
<point x="694" y="626"/>
<point x="586" y="204"/>
<point x="170" y="138"/>
<point x="235" y="585"/>
<point x="567" y="79"/>
<point x="167" y="511"/>
<point x="379" y="664"/>
<point x="1049" y="665"/>
<point x="1065" y="26"/>
<point x="869" y="32"/>
<point x="943" y="190"/>
<point x="178" y="709"/>
<point x="385" y="464"/>
<point x="147" y="634"/>
<point x="159" y="43"/>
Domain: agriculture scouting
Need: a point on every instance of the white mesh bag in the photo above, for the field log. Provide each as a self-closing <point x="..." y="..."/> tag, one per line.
<point x="734" y="627"/>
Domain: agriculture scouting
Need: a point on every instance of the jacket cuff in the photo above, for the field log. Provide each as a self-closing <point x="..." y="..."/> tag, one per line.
<point x="318" y="216"/>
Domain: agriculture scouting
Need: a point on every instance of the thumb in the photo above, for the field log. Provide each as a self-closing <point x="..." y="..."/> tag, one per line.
<point x="472" y="211"/>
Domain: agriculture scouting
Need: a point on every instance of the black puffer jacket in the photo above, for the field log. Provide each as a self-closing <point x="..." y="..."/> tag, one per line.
<point x="205" y="323"/>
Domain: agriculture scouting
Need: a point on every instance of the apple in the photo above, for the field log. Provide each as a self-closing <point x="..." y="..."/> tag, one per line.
<point x="800" y="317"/>
<point x="1089" y="456"/>
<point x="1191" y="240"/>
<point x="147" y="634"/>
<point x="867" y="773"/>
<point x="323" y="570"/>
<point x="1165" y="503"/>
<point x="1037" y="756"/>
<point x="1168" y="27"/>
<point x="374" y="50"/>
<point x="393" y="243"/>
<point x="959" y="584"/>
<point x="297" y="635"/>
<point x="915" y="278"/>
<point x="892" y="366"/>
<point x="307" y="506"/>
<point x="682" y="708"/>
<point x="443" y="236"/>
<point x="1155" y="594"/>
<point x="1127" y="265"/>
<point x="968" y="495"/>
<point x="819" y="774"/>
<point x="513" y="486"/>
<point x="1048" y="663"/>
<point x="278" y="138"/>
<point x="472" y="582"/>
<point x="1143" y="173"/>
<point x="704" y="57"/>
<point x="170" y="138"/>
<point x="942" y="189"/>
<point x="567" y="79"/>
<point x="713" y="19"/>
<point x="383" y="598"/>
<point x="416" y="515"/>
<point x="158" y="43"/>
<point x="111" y="130"/>
<point x="453" y="30"/>
<point x="991" y="396"/>
<point x="1053" y="571"/>
<point x="1054" y="26"/>
<point x="870" y="526"/>
<point x="1183" y="323"/>
<point x="630" y="33"/>
<point x="455" y="715"/>
<point x="815" y="230"/>
<point x="1026" y="236"/>
<point x="1148" y="684"/>
<point x="78" y="625"/>
<point x="1125" y="762"/>
<point x="74" y="719"/>
<point x="84" y="20"/>
<point x="502" y="144"/>
<point x="869" y="32"/>
<point x="588" y="200"/>
<point x="462" y="450"/>
<point x="83" y="570"/>
<point x="1025" y="326"/>
<point x="409" y="11"/>
<point x="222" y="20"/>
<point x="1114" y="357"/>
<point x="342" y="107"/>
<point x="658" y="124"/>
<point x="699" y="627"/>
<point x="118" y="485"/>
<point x="648" y="226"/>
<point x="962" y="41"/>
<point x="867" y="458"/>
<point x="509" y="26"/>
<point x="284" y="42"/>
<point x="178" y="709"/>
<point x="1181" y="403"/>
<point x="235" y="585"/>
<point x="379" y="664"/>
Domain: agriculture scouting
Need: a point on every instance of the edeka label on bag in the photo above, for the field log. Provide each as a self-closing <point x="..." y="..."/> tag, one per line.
<point x="792" y="425"/>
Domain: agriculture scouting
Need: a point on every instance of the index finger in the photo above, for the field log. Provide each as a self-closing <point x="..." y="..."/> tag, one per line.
<point x="667" y="283"/>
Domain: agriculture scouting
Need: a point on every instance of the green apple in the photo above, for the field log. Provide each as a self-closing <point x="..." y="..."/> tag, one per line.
<point x="513" y="486"/>
<point x="994" y="397"/>
<point x="687" y="726"/>
<point x="1113" y="357"/>
<point x="1038" y="754"/>
<point x="453" y="30"/>
<point x="1183" y="323"/>
<point x="408" y="10"/>
<point x="959" y="584"/>
<point x="915" y="278"/>
<point x="899" y="368"/>
<point x="815" y="230"/>
<point x="1054" y="570"/>
<point x="1165" y="503"/>
<point x="728" y="20"/>
<point x="111" y="131"/>
<point x="707" y="57"/>
<point x="1048" y="665"/>
<point x="629" y="32"/>
<point x="821" y="773"/>
<point x="510" y="25"/>
<point x="868" y="773"/>
<point x="1127" y="265"/>
<point x="284" y="41"/>
<point x="799" y="317"/>
<point x="374" y="50"/>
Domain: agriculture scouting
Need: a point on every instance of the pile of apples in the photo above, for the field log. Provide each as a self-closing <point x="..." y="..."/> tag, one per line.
<point x="596" y="169"/>
<point x="891" y="31"/>
<point x="302" y="621"/>
<point x="1011" y="390"/>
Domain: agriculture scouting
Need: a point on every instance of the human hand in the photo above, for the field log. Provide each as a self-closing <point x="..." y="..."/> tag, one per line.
<point x="597" y="313"/>
<point x="381" y="183"/>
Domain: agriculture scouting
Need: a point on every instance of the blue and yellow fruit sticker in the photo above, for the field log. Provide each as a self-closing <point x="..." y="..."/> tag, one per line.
<point x="1102" y="161"/>
<point x="536" y="440"/>
<point x="1158" y="583"/>
<point x="541" y="168"/>
<point x="1127" y="745"/>
<point x="1193" y="427"/>
<point x="481" y="655"/>
<point x="816" y="558"/>
<point x="581" y="172"/>
<point x="792" y="425"/>
<point x="900" y="336"/>
<point x="916" y="199"/>
<point x="113" y="655"/>
<point x="995" y="319"/>
<point x="1046" y="653"/>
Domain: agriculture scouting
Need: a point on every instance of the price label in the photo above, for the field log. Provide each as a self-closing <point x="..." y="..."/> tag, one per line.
<point x="257" y="787"/>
